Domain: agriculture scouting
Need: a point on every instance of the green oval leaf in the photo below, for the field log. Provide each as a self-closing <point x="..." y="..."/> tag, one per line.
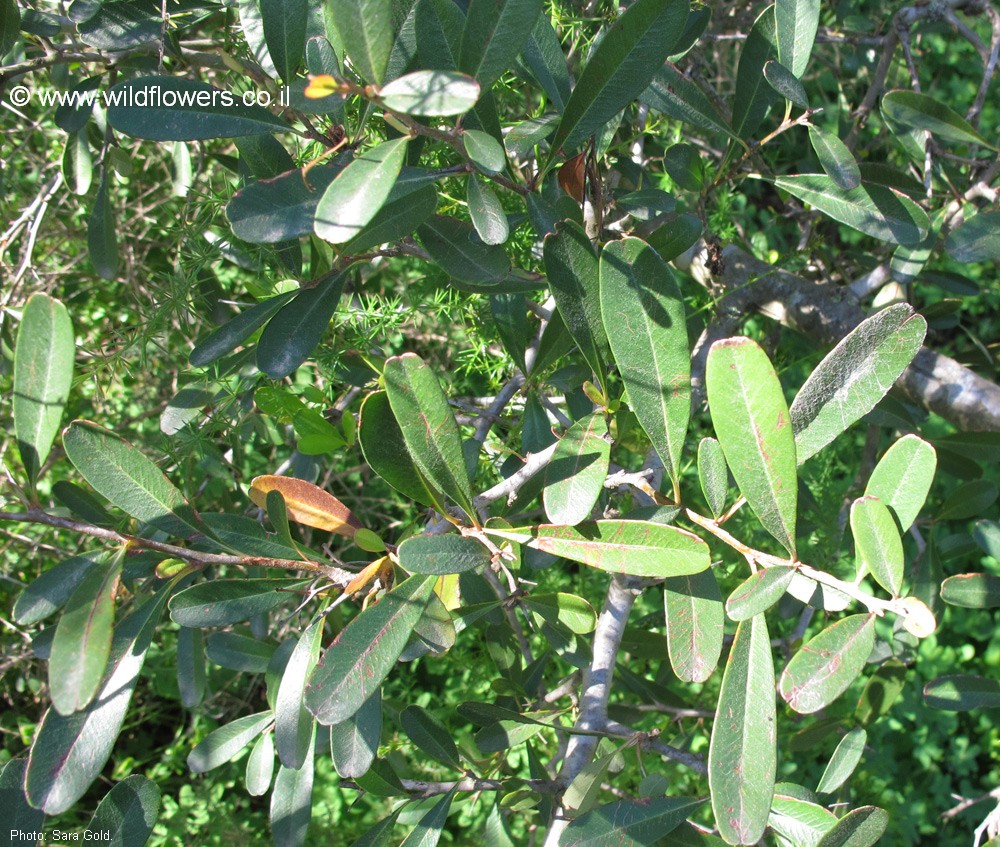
<point x="429" y="429"/>
<point x="43" y="375"/>
<point x="428" y="829"/>
<point x="364" y="652"/>
<point x="843" y="761"/>
<point x="883" y="688"/>
<point x="796" y="22"/>
<point x="754" y="97"/>
<point x="643" y="315"/>
<point x="695" y="624"/>
<point x="785" y="83"/>
<point x="359" y="191"/>
<point x="741" y="755"/>
<point x="574" y="478"/>
<point x="875" y="210"/>
<point x="222" y="744"/>
<point x="976" y="240"/>
<point x="236" y="331"/>
<point x="123" y="475"/>
<point x="827" y="664"/>
<point x="431" y="93"/>
<point x="411" y="203"/>
<point x="969" y="500"/>
<point x="673" y="94"/>
<point x="639" y="548"/>
<point x="164" y="108"/>
<point x="18" y="813"/>
<point x="354" y="742"/>
<point x="293" y="725"/>
<point x="572" y="612"/>
<point x="629" y="823"/>
<point x="759" y="592"/>
<point x="239" y="652"/>
<point x="291" y="803"/>
<point x="191" y="676"/>
<point x="82" y="642"/>
<point x="442" y="554"/>
<point x="293" y="333"/>
<point x="753" y="426"/>
<point x="260" y="766"/>
<point x="49" y="593"/>
<point x="854" y="376"/>
<point x="972" y="590"/>
<point x="962" y="692"/>
<point x="366" y="31"/>
<point x="127" y="814"/>
<point x="903" y="477"/>
<point x="484" y="151"/>
<point x="221" y="602"/>
<point x="450" y="244"/>
<point x="921" y="111"/>
<point x="878" y="544"/>
<point x="713" y="474"/>
<point x="285" y="23"/>
<point x="801" y="822"/>
<point x="486" y="211"/>
<point x="622" y="66"/>
<point x="494" y="32"/>
<point x="102" y="236"/>
<point x="430" y="736"/>
<point x="860" y="828"/>
<point x="835" y="158"/>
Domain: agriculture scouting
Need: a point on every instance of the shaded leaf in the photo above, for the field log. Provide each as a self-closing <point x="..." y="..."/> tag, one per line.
<point x="695" y="624"/>
<point x="916" y="110"/>
<point x="102" y="236"/>
<point x="49" y="593"/>
<point x="488" y="216"/>
<point x="364" y="652"/>
<point x="639" y="548"/>
<point x="673" y="94"/>
<point x="450" y="244"/>
<point x="827" y="664"/>
<point x="428" y="829"/>
<point x="976" y="240"/>
<point x="442" y="554"/>
<point x="574" y="478"/>
<point x="238" y="652"/>
<point x="220" y="602"/>
<point x="294" y="727"/>
<point x="962" y="692"/>
<point x="430" y="736"/>
<point x="222" y="744"/>
<point x="572" y="612"/>
<point x="969" y="500"/>
<point x="713" y="474"/>
<point x="881" y="691"/>
<point x="495" y="31"/>
<point x="784" y="82"/>
<point x="854" y="376"/>
<point x="741" y="754"/>
<point x="629" y="823"/>
<point x="291" y="803"/>
<point x="260" y="766"/>
<point x="127" y="814"/>
<point x="18" y="813"/>
<point x="237" y="330"/>
<point x="754" y="97"/>
<point x="285" y="23"/>
<point x="484" y="151"/>
<point x="752" y="423"/>
<point x="354" y="742"/>
<point x="43" y="375"/>
<point x="543" y="54"/>
<point x="836" y="158"/>
<point x="972" y="590"/>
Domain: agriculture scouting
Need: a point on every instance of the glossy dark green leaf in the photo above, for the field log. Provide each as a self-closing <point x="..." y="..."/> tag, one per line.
<point x="285" y="23"/>
<point x="741" y="754"/>
<point x="237" y="330"/>
<point x="123" y="475"/>
<point x="69" y="752"/>
<point x="359" y="191"/>
<point x="385" y="451"/>
<point x="713" y="474"/>
<point x="843" y="761"/>
<point x="380" y="835"/>
<point x="876" y="538"/>
<point x="354" y="742"/>
<point x="574" y="478"/>
<point x="165" y="108"/>
<point x="428" y="829"/>
<point x="754" y="97"/>
<point x="796" y="22"/>
<point x="643" y="315"/>
<point x="827" y="664"/>
<point x="684" y="166"/>
<point x="902" y="478"/>
<point x="976" y="240"/>
<point x="220" y="602"/>
<point x="544" y="57"/>
<point x="238" y="652"/>
<point x="222" y="744"/>
<point x="431" y="93"/>
<point x="18" y="813"/>
<point x="269" y="211"/>
<point x="484" y="151"/>
<point x="82" y="643"/>
<point x="629" y="823"/>
<point x="962" y="692"/>
<point x="43" y="374"/>
<point x="366" y="31"/>
<point x="102" y="237"/>
<point x="753" y="426"/>
<point x="573" y="272"/>
<point x="854" y="376"/>
<point x="836" y="158"/>
<point x="82" y="503"/>
<point x="450" y="244"/>
<point x="442" y="554"/>
<point x="916" y="110"/>
<point x="695" y="624"/>
<point x="365" y="651"/>
<point x="430" y="736"/>
<point x="486" y="211"/>
<point x="673" y="94"/>
<point x="127" y="814"/>
<point x="784" y="82"/>
<point x="495" y="31"/>
<point x="509" y="317"/>
<point x="875" y="210"/>
<point x="972" y="590"/>
<point x="49" y="593"/>
<point x="260" y="766"/>
<point x="293" y="725"/>
<point x="859" y="828"/>
<point x="429" y="429"/>
<point x="291" y="803"/>
<point x="191" y="675"/>
<point x="293" y="333"/>
<point x="621" y="67"/>
<point x="640" y="548"/>
<point x="759" y="592"/>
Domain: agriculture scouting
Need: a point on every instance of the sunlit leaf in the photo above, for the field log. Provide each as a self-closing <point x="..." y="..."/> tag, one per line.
<point x="878" y="544"/>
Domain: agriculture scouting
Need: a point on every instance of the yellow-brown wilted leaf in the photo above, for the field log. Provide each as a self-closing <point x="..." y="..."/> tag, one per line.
<point x="919" y="620"/>
<point x="370" y="572"/>
<point x="307" y="504"/>
<point x="322" y="85"/>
